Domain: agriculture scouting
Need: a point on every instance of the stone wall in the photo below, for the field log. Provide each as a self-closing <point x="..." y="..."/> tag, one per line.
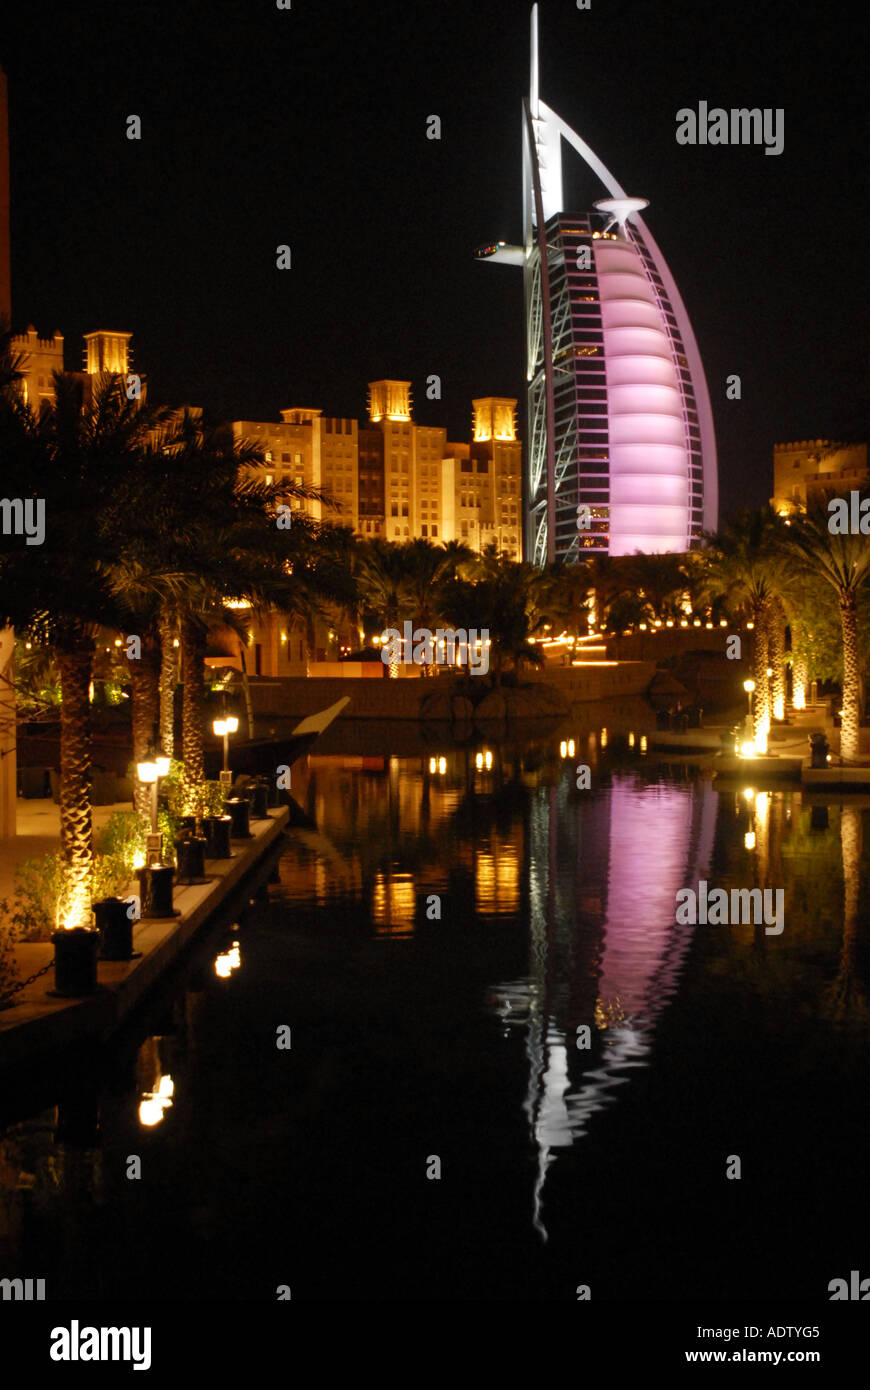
<point x="552" y="692"/>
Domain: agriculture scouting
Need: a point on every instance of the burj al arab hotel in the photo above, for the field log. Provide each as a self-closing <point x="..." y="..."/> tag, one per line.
<point x="621" y="446"/>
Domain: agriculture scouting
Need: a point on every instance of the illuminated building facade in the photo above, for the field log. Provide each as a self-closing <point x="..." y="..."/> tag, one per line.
<point x="397" y="480"/>
<point x="814" y="466"/>
<point x="104" y="351"/>
<point x="619" y="420"/>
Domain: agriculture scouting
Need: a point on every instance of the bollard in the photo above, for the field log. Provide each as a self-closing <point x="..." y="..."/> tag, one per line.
<point x="239" y="809"/>
<point x="190" y="850"/>
<point x="115" y="927"/>
<point x="155" y="891"/>
<point x="75" y="962"/>
<point x="260" y="801"/>
<point x="819" y="748"/>
<point x="217" y="834"/>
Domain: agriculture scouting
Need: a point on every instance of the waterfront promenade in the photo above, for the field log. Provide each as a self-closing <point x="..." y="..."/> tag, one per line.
<point x="37" y="1022"/>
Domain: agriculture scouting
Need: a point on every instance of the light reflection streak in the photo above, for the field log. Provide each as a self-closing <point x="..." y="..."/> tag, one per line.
<point x="638" y="954"/>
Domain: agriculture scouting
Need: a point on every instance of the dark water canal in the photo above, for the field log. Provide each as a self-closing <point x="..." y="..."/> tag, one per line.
<point x="509" y="1073"/>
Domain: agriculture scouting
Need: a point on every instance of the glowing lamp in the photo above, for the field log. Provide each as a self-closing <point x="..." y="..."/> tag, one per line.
<point x="148" y="772"/>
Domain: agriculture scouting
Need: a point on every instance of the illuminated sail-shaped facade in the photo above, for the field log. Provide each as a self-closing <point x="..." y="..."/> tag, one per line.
<point x="622" y="452"/>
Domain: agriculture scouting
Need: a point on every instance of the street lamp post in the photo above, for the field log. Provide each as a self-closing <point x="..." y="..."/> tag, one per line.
<point x="150" y="771"/>
<point x="223" y="727"/>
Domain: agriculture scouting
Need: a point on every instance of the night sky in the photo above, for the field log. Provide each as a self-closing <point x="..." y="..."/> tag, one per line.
<point x="308" y="127"/>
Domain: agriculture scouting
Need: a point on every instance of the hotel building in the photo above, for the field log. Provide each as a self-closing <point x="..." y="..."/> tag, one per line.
<point x="619" y="419"/>
<point x="815" y="466"/>
<point x="398" y="480"/>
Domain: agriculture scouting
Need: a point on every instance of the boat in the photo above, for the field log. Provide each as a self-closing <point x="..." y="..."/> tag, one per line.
<point x="265" y="755"/>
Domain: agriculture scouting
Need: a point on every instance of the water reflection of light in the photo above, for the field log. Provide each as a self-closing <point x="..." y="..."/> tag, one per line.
<point x="749" y="840"/>
<point x="442" y="766"/>
<point x="631" y="738"/>
<point x="228" y="961"/>
<point x="393" y="904"/>
<point x="497" y="880"/>
<point x="153" y="1103"/>
<point x="623" y="907"/>
<point x="603" y="738"/>
<point x="643" y="743"/>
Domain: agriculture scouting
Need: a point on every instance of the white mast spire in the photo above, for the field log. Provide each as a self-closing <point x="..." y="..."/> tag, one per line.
<point x="533" y="92"/>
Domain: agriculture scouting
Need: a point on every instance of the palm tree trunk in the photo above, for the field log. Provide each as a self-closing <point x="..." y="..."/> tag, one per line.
<point x="761" y="694"/>
<point x="246" y="690"/>
<point x="167" y="684"/>
<point x="144" y="678"/>
<point x="76" y="834"/>
<point x="799" y="669"/>
<point x="777" y="660"/>
<point x="799" y="681"/>
<point x="192" y="710"/>
<point x="851" y="719"/>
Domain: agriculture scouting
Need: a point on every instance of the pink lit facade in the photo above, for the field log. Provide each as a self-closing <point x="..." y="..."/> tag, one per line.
<point x="620" y="427"/>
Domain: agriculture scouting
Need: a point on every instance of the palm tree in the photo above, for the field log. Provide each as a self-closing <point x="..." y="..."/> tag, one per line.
<point x="510" y="604"/>
<point x="428" y="568"/>
<point x="745" y="565"/>
<point x="843" y="562"/>
<point x="77" y="453"/>
<point x="380" y="574"/>
<point x="202" y="534"/>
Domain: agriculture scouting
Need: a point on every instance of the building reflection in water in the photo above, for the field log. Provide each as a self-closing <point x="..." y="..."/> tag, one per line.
<point x="606" y="954"/>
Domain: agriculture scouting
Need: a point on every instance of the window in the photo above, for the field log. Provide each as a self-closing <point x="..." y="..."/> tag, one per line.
<point x="297" y="458"/>
<point x="269" y="476"/>
<point x="483" y="465"/>
<point x="424" y="530"/>
<point x="434" y="530"/>
<point x="285" y="458"/>
<point x="465" y="465"/>
<point x="394" y="509"/>
<point x="298" y="479"/>
<point x="404" y="509"/>
<point x="268" y="455"/>
<point x="406" y="531"/>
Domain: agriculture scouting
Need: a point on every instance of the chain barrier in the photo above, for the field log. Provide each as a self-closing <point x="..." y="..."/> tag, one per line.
<point x="22" y="984"/>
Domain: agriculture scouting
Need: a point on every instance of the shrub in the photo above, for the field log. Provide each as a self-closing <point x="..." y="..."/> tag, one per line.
<point x="42" y="892"/>
<point x="8" y="936"/>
